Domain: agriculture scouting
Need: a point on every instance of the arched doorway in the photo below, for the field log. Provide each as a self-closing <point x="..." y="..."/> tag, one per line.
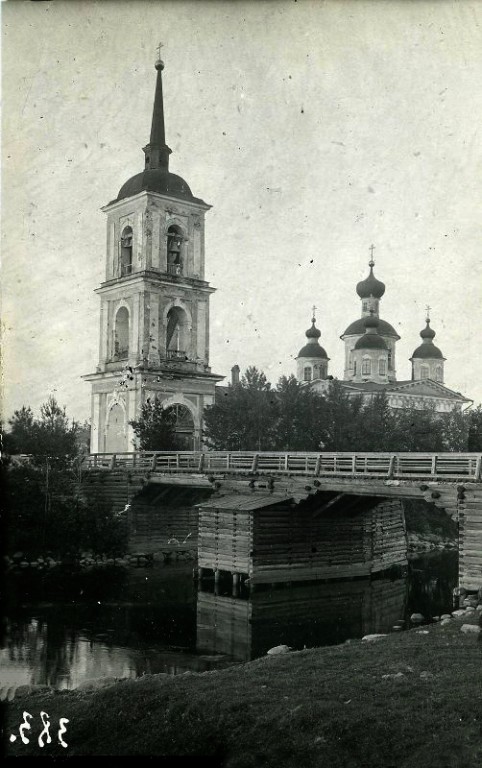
<point x="115" y="433"/>
<point x="183" y="426"/>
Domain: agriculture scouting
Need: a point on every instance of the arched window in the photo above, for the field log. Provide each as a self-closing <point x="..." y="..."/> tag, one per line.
<point x="307" y="373"/>
<point x="389" y="357"/>
<point x="121" y="334"/>
<point x="382" y="367"/>
<point x="354" y="367"/>
<point x="183" y="426"/>
<point x="424" y="372"/>
<point x="126" y="252"/>
<point x="323" y="370"/>
<point x="366" y="367"/>
<point x="365" y="306"/>
<point x="178" y="337"/>
<point x="174" y="251"/>
<point x="438" y="373"/>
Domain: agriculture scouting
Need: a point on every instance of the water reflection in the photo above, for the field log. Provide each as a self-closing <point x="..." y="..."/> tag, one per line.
<point x="299" y="616"/>
<point x="65" y="628"/>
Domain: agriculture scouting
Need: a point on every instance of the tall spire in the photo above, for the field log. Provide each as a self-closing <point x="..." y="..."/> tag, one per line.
<point x="157" y="152"/>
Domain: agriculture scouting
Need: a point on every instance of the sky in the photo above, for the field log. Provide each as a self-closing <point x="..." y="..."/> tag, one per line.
<point x="314" y="129"/>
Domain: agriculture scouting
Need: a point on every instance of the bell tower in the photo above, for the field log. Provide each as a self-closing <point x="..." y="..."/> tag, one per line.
<point x="154" y="314"/>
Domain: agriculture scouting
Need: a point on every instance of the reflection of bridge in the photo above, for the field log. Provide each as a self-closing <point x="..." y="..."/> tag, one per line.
<point x="333" y="481"/>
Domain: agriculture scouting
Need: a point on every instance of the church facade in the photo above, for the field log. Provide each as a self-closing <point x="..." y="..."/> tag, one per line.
<point x="154" y="314"/>
<point x="370" y="359"/>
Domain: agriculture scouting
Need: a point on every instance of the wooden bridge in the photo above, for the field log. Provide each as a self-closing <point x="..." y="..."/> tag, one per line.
<point x="391" y="466"/>
<point x="250" y="489"/>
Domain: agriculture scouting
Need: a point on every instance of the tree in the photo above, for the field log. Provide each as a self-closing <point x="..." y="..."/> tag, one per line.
<point x="343" y="427"/>
<point x="475" y="430"/>
<point x="21" y="437"/>
<point x="375" y="422"/>
<point x="155" y="428"/>
<point x="55" y="435"/>
<point x="243" y="418"/>
<point x="456" y="430"/>
<point x="417" y="431"/>
<point x="301" y="417"/>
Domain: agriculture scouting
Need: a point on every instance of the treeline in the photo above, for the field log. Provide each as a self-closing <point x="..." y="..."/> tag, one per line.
<point x="45" y="510"/>
<point x="253" y="416"/>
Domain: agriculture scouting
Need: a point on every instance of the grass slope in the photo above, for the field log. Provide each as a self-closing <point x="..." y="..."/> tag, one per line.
<point x="322" y="707"/>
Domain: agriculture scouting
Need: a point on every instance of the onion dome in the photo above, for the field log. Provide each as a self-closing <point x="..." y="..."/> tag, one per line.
<point x="427" y="332"/>
<point x="427" y="350"/>
<point x="370" y="286"/>
<point x="313" y="332"/>
<point x="371" y="339"/>
<point x="313" y="348"/>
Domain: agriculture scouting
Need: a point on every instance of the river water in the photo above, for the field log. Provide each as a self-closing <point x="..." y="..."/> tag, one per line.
<point x="65" y="627"/>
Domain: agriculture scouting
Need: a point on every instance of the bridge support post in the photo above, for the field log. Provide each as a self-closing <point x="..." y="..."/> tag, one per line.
<point x="112" y="461"/>
<point x="216" y="581"/>
<point x="235" y="584"/>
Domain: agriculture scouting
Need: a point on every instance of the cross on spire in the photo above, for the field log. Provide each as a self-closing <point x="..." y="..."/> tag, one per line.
<point x="371" y="249"/>
<point x="427" y="309"/>
<point x="313" y="309"/>
<point x="161" y="45"/>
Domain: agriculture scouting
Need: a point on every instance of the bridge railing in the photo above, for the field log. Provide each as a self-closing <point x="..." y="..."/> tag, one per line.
<point x="448" y="466"/>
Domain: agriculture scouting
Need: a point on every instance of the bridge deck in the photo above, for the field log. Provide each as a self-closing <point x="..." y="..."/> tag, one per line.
<point x="397" y="466"/>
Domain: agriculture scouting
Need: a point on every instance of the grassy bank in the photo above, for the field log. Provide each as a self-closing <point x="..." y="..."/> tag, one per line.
<point x="408" y="699"/>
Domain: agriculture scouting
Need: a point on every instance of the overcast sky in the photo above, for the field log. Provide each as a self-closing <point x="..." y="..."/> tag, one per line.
<point x="313" y="129"/>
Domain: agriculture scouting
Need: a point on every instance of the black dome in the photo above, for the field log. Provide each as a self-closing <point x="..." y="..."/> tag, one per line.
<point x="370" y="286"/>
<point x="157" y="180"/>
<point x="428" y="351"/>
<point x="313" y="350"/>
<point x="358" y="327"/>
<point x="427" y="333"/>
<point x="370" y="341"/>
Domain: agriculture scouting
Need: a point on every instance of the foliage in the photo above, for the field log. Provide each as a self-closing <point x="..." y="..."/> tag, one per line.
<point x="51" y="435"/>
<point x="252" y="416"/>
<point x="155" y="427"/>
<point x="475" y="429"/>
<point x="46" y="511"/>
<point x="44" y="507"/>
<point x="423" y="518"/>
<point x="245" y="417"/>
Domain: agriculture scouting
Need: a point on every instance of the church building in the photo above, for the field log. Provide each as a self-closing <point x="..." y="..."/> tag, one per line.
<point x="370" y="359"/>
<point x="154" y="314"/>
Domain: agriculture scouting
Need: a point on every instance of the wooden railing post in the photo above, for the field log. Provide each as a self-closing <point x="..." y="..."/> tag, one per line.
<point x="153" y="462"/>
<point x="318" y="465"/>
<point x="478" y="468"/>
<point x="433" y="470"/>
<point x="254" y="465"/>
<point x="112" y="461"/>
<point x="353" y="464"/>
<point x="391" y="467"/>
<point x="200" y="466"/>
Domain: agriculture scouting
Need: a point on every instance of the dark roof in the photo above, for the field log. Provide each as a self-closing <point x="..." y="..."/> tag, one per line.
<point x="427" y="333"/>
<point x="158" y="180"/>
<point x="358" y="327"/>
<point x="246" y="503"/>
<point x="428" y="351"/>
<point x="371" y="341"/>
<point x="370" y="286"/>
<point x="313" y="349"/>
<point x="313" y="332"/>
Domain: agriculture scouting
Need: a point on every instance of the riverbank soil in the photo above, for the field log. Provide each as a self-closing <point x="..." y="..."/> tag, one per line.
<point x="407" y="699"/>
